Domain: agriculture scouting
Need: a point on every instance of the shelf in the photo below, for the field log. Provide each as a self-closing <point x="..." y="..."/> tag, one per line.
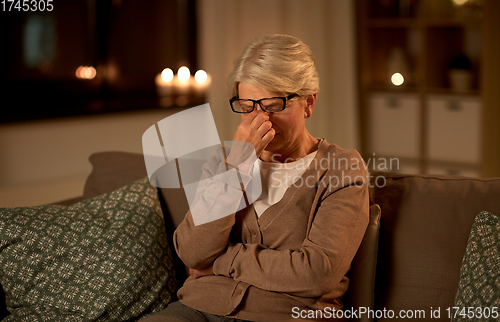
<point x="452" y="163"/>
<point x="450" y="92"/>
<point x="393" y="89"/>
<point x="420" y="90"/>
<point x="392" y="23"/>
<point x="425" y="23"/>
<point x="452" y="23"/>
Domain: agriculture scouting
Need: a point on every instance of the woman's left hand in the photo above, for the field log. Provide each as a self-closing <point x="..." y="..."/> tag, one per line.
<point x="197" y="273"/>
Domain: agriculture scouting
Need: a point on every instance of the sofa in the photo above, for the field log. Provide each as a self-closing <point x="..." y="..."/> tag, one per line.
<point x="419" y="244"/>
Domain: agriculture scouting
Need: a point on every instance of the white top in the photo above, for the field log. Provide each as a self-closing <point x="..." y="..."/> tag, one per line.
<point x="277" y="178"/>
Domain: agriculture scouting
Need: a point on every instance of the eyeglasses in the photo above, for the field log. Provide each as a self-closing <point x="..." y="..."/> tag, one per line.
<point x="268" y="104"/>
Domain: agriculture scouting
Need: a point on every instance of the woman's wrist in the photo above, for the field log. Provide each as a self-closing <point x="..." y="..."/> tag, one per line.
<point x="242" y="156"/>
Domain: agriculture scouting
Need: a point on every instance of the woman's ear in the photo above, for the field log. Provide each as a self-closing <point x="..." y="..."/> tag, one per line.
<point x="310" y="103"/>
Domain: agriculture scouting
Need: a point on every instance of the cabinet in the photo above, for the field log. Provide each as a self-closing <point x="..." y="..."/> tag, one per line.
<point x="453" y="129"/>
<point x="398" y="115"/>
<point x="419" y="83"/>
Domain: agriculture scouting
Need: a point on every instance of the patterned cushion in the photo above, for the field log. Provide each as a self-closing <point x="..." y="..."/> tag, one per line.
<point x="479" y="285"/>
<point x="105" y="258"/>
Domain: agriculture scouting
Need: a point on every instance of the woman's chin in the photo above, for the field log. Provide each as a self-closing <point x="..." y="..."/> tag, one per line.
<point x="275" y="143"/>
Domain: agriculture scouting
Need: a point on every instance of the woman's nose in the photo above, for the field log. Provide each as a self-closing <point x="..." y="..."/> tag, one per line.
<point x="259" y="109"/>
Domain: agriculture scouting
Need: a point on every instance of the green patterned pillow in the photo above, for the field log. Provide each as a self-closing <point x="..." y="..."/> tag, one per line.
<point x="478" y="295"/>
<point x="102" y="259"/>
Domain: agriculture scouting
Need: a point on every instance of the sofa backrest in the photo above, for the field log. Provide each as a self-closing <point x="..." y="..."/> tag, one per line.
<point x="424" y="230"/>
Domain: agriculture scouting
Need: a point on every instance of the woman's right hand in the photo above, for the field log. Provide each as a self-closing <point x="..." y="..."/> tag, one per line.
<point x="197" y="273"/>
<point x="255" y="128"/>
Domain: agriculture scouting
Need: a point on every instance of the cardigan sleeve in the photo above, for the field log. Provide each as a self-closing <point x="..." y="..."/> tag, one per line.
<point x="204" y="232"/>
<point x="335" y="234"/>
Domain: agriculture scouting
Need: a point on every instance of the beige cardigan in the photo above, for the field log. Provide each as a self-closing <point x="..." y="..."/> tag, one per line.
<point x="296" y="254"/>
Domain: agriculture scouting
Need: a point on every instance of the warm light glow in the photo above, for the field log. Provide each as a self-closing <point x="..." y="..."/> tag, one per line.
<point x="85" y="72"/>
<point x="397" y="79"/>
<point x="90" y="72"/>
<point x="78" y="72"/>
<point x="183" y="73"/>
<point x="167" y="75"/>
<point x="460" y="2"/>
<point x="201" y="76"/>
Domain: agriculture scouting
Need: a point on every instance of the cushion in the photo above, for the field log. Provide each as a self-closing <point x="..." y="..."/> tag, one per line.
<point x="425" y="225"/>
<point x="479" y="285"/>
<point x="113" y="169"/>
<point x="105" y="258"/>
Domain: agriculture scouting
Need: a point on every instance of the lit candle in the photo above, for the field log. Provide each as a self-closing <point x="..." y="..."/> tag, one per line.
<point x="201" y="83"/>
<point x="182" y="81"/>
<point x="164" y="82"/>
<point x="86" y="72"/>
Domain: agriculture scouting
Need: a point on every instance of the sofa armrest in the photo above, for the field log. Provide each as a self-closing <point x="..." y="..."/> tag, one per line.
<point x="360" y="293"/>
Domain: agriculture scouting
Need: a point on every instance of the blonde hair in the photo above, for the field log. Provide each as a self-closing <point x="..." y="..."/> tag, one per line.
<point x="276" y="63"/>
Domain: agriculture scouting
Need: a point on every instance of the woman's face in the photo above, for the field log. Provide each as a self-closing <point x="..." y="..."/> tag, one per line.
<point x="289" y="124"/>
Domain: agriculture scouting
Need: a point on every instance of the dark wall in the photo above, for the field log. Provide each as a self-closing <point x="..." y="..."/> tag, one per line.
<point x="127" y="41"/>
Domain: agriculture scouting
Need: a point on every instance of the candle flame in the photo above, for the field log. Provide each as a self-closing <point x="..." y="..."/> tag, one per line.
<point x="86" y="72"/>
<point x="167" y="75"/>
<point x="183" y="73"/>
<point x="200" y="76"/>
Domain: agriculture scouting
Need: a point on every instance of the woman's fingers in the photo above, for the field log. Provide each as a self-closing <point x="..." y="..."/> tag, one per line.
<point x="197" y="273"/>
<point x="259" y="119"/>
<point x="264" y="128"/>
<point x="268" y="137"/>
<point x="257" y="130"/>
<point x="249" y="131"/>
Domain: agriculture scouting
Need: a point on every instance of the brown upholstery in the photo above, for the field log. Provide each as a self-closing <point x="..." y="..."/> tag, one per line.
<point x="424" y="229"/>
<point x="112" y="170"/>
<point x="363" y="268"/>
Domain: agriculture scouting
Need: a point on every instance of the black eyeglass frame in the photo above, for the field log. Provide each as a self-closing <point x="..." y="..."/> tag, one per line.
<point x="283" y="98"/>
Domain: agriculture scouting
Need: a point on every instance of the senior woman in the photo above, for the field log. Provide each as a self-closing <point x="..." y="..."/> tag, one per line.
<point x="287" y="255"/>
